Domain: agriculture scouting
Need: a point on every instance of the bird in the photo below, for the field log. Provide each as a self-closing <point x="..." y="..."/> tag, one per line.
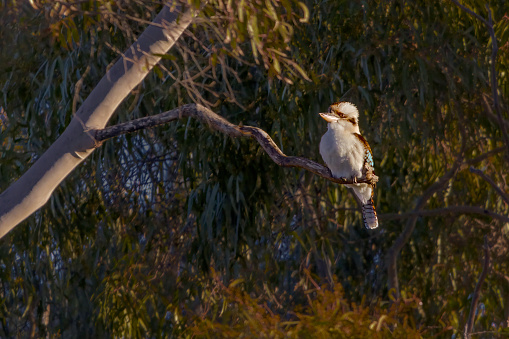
<point x="348" y="155"/>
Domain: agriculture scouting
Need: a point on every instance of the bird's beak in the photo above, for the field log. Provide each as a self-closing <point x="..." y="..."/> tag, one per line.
<point x="329" y="117"/>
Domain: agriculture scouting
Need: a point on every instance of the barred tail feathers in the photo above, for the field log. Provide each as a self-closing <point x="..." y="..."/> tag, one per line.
<point x="369" y="215"/>
<point x="365" y="192"/>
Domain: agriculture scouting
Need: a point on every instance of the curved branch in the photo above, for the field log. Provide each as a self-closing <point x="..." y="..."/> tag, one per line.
<point x="391" y="259"/>
<point x="484" y="156"/>
<point x="222" y="125"/>
<point x="486" y="178"/>
<point x="471" y="12"/>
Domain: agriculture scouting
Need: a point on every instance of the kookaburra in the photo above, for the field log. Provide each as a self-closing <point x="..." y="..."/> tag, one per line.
<point x="348" y="155"/>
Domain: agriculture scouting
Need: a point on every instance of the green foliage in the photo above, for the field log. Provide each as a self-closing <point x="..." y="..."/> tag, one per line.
<point x="143" y="238"/>
<point x="267" y="26"/>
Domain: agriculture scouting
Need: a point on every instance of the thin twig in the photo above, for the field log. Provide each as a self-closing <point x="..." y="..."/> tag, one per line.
<point x="393" y="253"/>
<point x="77" y="88"/>
<point x="494" y="51"/>
<point x="222" y="125"/>
<point x="471" y="12"/>
<point x="484" y="156"/>
<point x="494" y="82"/>
<point x="444" y="211"/>
<point x="480" y="173"/>
<point x="475" y="298"/>
<point x="489" y="112"/>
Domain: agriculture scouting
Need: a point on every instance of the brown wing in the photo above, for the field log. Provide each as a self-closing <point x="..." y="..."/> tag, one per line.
<point x="368" y="157"/>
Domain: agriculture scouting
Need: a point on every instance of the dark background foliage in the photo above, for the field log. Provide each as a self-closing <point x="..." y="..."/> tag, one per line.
<point x="181" y="231"/>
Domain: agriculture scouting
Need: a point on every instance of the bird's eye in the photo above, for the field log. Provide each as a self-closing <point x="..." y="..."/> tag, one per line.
<point x="329" y="110"/>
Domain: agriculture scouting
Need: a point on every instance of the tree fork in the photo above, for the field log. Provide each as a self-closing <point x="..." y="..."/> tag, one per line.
<point x="34" y="188"/>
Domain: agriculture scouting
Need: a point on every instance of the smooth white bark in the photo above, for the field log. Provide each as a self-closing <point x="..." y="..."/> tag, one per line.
<point x="35" y="187"/>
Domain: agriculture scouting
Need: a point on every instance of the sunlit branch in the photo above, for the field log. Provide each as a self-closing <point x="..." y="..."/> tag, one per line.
<point x="222" y="125"/>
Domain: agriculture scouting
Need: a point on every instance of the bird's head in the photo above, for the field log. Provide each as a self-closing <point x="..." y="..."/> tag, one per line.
<point x="341" y="111"/>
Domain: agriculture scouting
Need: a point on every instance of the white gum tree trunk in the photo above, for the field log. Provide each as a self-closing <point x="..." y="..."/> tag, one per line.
<point x="34" y="188"/>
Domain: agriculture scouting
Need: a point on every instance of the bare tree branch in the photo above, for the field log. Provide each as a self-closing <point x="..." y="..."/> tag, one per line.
<point x="489" y="111"/>
<point x="471" y="12"/>
<point x="494" y="51"/>
<point x="34" y="188"/>
<point x="393" y="253"/>
<point x="484" y="156"/>
<point x="222" y="125"/>
<point x="475" y="298"/>
<point x="480" y="173"/>
<point x="444" y="211"/>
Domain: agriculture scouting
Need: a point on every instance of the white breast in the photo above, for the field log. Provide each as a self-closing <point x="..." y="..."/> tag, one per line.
<point x="342" y="151"/>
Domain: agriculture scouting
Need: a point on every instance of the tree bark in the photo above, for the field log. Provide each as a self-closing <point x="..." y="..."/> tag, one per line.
<point x="222" y="125"/>
<point x="34" y="188"/>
